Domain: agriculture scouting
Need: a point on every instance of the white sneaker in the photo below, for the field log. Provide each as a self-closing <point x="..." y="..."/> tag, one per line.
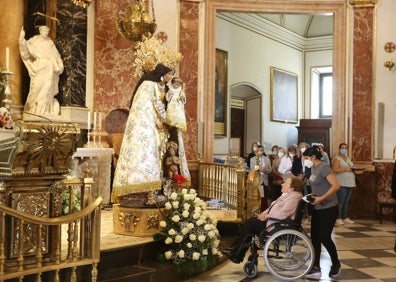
<point x="339" y="222"/>
<point x="348" y="220"/>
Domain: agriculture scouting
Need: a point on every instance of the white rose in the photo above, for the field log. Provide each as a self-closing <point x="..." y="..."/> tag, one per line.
<point x="195" y="215"/>
<point x="201" y="238"/>
<point x="173" y="196"/>
<point x="216" y="243"/>
<point x="178" y="238"/>
<point x="184" y="231"/>
<point x="211" y="234"/>
<point x="186" y="206"/>
<point x="176" y="218"/>
<point x="189" y="245"/>
<point x="190" y="225"/>
<point x="168" y="254"/>
<point x="196" y="256"/>
<point x="214" y="251"/>
<point x="181" y="254"/>
<point x="205" y="252"/>
<point x="199" y="222"/>
<point x="197" y="209"/>
<point x="192" y="237"/>
<point x="172" y="232"/>
<point x="207" y="227"/>
<point x="163" y="223"/>
<point x="184" y="191"/>
<point x="168" y="205"/>
<point x="186" y="197"/>
<point x="192" y="191"/>
<point x="175" y="204"/>
<point x="168" y="240"/>
<point x="185" y="213"/>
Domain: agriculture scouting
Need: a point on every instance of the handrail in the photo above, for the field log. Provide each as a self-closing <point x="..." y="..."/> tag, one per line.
<point x="53" y="220"/>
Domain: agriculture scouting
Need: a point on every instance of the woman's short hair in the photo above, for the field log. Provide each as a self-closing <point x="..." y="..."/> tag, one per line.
<point x="297" y="184"/>
<point x="313" y="151"/>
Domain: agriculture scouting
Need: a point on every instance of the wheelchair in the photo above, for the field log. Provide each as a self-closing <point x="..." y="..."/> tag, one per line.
<point x="287" y="249"/>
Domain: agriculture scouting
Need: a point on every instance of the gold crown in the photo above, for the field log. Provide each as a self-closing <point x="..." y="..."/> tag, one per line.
<point x="151" y="52"/>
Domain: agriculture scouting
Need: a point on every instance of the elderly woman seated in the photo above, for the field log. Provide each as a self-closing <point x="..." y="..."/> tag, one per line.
<point x="282" y="208"/>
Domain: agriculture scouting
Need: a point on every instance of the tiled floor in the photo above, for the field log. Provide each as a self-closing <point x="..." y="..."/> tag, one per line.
<point x="365" y="248"/>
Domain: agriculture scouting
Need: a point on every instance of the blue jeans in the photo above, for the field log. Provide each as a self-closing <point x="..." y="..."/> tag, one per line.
<point x="343" y="197"/>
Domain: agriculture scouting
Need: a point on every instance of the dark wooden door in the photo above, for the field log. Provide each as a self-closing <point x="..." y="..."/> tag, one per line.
<point x="238" y="127"/>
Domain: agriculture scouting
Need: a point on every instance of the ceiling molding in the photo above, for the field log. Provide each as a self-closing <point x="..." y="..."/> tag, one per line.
<point x="257" y="24"/>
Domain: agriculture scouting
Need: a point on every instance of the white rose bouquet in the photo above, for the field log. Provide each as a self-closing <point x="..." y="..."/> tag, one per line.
<point x="189" y="233"/>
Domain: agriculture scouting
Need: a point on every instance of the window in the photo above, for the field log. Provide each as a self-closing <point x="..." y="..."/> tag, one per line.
<point x="325" y="95"/>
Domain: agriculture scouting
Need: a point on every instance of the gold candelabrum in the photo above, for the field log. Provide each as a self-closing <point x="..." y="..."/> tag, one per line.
<point x="7" y="101"/>
<point x="137" y="23"/>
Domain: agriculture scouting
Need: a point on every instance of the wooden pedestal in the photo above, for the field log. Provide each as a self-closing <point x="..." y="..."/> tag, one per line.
<point x="140" y="222"/>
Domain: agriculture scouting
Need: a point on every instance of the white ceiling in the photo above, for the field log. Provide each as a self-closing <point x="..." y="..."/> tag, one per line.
<point x="304" y="25"/>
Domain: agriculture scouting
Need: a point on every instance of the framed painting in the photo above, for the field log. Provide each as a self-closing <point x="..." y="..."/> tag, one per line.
<point x="221" y="93"/>
<point x="284" y="93"/>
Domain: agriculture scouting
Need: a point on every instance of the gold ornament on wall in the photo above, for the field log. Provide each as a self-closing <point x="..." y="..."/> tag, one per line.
<point x="137" y="22"/>
<point x="82" y="3"/>
<point x="389" y="48"/>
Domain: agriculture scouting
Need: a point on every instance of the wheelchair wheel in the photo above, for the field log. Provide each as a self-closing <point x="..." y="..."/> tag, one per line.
<point x="250" y="269"/>
<point x="288" y="254"/>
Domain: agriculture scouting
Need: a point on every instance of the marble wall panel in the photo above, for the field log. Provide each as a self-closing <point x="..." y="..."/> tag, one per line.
<point x="362" y="114"/>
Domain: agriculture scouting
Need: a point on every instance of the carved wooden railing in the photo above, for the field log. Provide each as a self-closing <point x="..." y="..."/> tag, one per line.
<point x="81" y="248"/>
<point x="230" y="185"/>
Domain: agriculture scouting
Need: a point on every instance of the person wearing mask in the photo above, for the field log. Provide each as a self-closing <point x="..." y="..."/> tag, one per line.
<point x="324" y="186"/>
<point x="342" y="166"/>
<point x="264" y="167"/>
<point x="277" y="180"/>
<point x="325" y="157"/>
<point x="282" y="208"/>
<point x="252" y="153"/>
<point x="286" y="163"/>
<point x="305" y="174"/>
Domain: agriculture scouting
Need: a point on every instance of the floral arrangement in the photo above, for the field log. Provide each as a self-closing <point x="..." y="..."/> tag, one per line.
<point x="5" y="118"/>
<point x="189" y="233"/>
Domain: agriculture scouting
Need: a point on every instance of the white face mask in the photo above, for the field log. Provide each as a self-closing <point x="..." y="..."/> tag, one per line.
<point x="254" y="149"/>
<point x="303" y="150"/>
<point x="308" y="163"/>
<point x="291" y="155"/>
<point x="281" y="154"/>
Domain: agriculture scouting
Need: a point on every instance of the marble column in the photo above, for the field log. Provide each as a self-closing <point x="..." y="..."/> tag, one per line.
<point x="188" y="69"/>
<point x="363" y="90"/>
<point x="11" y="22"/>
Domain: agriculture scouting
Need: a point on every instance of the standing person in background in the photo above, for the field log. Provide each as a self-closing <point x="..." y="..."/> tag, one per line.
<point x="286" y="164"/>
<point x="252" y="153"/>
<point x="342" y="166"/>
<point x="324" y="200"/>
<point x="305" y="174"/>
<point x="325" y="157"/>
<point x="264" y="166"/>
<point x="277" y="176"/>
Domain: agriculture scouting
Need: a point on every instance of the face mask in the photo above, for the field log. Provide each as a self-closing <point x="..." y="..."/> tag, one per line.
<point x="291" y="155"/>
<point x="281" y="154"/>
<point x="274" y="153"/>
<point x="303" y="150"/>
<point x="343" y="151"/>
<point x="254" y="149"/>
<point x="308" y="163"/>
<point x="260" y="153"/>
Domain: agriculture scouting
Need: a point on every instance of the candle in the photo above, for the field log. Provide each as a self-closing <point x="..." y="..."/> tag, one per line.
<point x="89" y="120"/>
<point x="94" y="123"/>
<point x="100" y="120"/>
<point x="7" y="58"/>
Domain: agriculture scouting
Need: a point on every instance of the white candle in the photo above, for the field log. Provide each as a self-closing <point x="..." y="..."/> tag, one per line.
<point x="89" y="120"/>
<point x="100" y="120"/>
<point x="7" y="58"/>
<point x="94" y="123"/>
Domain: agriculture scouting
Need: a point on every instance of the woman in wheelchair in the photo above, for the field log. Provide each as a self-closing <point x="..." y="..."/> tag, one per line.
<point x="282" y="208"/>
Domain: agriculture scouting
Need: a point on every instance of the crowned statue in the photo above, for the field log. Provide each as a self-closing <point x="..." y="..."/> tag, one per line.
<point x="140" y="172"/>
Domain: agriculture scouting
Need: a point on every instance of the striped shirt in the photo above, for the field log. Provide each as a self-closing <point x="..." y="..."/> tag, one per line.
<point x="347" y="178"/>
